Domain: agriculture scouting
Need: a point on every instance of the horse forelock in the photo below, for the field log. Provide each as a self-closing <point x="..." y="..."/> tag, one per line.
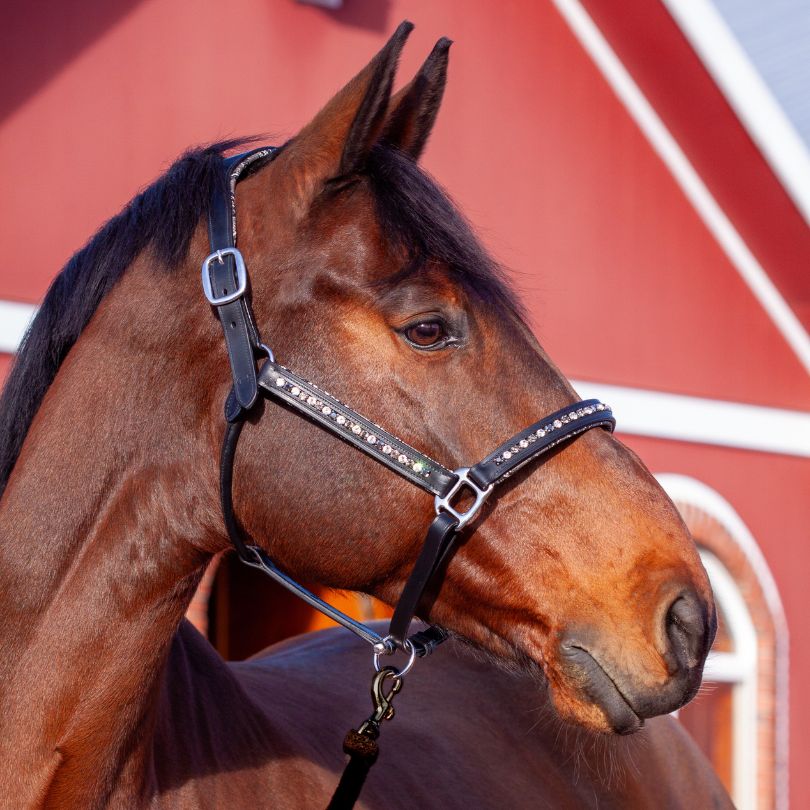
<point x="419" y="217"/>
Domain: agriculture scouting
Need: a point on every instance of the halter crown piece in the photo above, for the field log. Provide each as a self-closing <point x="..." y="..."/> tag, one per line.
<point x="225" y="284"/>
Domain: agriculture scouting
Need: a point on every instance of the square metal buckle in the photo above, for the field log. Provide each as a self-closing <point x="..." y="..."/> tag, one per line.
<point x="443" y="503"/>
<point x="241" y="277"/>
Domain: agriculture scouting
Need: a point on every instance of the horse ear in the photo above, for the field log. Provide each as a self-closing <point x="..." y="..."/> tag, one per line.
<point x="336" y="142"/>
<point x="413" y="109"/>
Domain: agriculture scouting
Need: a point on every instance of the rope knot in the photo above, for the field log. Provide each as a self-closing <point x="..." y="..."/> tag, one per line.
<point x="362" y="746"/>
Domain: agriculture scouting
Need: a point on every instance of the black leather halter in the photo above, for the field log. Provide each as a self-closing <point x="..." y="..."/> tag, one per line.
<point x="225" y="282"/>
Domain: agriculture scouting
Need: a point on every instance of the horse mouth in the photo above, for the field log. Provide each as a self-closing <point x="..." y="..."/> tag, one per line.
<point x="594" y="682"/>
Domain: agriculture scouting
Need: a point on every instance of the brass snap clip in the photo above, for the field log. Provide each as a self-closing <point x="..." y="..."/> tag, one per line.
<point x="382" y="700"/>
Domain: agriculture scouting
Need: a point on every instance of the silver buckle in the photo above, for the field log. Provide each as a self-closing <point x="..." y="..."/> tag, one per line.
<point x="241" y="277"/>
<point x="443" y="503"/>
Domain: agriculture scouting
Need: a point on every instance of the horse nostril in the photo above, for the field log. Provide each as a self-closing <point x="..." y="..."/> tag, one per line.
<point x="687" y="630"/>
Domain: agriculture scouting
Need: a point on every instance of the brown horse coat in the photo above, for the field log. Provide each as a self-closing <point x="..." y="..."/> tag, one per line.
<point x="466" y="735"/>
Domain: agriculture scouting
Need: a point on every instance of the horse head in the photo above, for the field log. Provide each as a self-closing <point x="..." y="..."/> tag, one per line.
<point x="366" y="279"/>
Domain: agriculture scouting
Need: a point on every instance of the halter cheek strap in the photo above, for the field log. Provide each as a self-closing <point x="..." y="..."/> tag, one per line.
<point x="225" y="283"/>
<point x="225" y="278"/>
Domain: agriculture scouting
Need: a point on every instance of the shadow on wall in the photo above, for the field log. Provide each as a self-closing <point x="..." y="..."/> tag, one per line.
<point x="373" y="15"/>
<point x="38" y="39"/>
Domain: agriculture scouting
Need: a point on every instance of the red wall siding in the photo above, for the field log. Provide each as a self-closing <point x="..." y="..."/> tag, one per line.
<point x="678" y="85"/>
<point x="532" y="143"/>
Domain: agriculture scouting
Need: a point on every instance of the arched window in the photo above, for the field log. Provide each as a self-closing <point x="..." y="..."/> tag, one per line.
<point x="723" y="718"/>
<point x="739" y="718"/>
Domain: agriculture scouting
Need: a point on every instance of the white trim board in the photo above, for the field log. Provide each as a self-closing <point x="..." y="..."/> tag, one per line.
<point x="14" y="320"/>
<point x="695" y="190"/>
<point x="708" y="421"/>
<point x="740" y="669"/>
<point x="747" y="93"/>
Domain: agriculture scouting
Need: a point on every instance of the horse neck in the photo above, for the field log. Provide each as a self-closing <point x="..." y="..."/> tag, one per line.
<point x="106" y="524"/>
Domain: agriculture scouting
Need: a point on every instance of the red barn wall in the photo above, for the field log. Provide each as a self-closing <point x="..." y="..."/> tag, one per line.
<point x="623" y="280"/>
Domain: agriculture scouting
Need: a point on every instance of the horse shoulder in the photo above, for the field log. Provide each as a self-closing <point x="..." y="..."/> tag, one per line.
<point x="268" y="732"/>
<point x="673" y="771"/>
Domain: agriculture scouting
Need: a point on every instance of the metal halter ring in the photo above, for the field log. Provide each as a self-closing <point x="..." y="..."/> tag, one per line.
<point x="386" y="647"/>
<point x="442" y="503"/>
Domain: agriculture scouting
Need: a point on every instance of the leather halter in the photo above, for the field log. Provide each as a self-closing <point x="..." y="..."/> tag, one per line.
<point x="225" y="282"/>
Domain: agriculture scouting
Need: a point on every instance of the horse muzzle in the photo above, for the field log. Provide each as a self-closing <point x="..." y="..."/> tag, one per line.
<point x="688" y="630"/>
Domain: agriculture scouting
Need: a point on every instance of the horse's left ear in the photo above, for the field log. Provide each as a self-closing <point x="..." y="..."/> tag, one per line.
<point x="413" y="109"/>
<point x="337" y="142"/>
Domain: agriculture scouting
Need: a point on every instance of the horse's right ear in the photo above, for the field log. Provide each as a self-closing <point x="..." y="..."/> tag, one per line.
<point x="337" y="141"/>
<point x="414" y="109"/>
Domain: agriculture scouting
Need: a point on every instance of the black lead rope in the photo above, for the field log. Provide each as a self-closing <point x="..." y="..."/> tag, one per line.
<point x="226" y="284"/>
<point x="361" y="745"/>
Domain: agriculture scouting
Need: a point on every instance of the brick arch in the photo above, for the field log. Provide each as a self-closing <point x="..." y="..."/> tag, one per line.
<point x="710" y="534"/>
<point x="718" y="529"/>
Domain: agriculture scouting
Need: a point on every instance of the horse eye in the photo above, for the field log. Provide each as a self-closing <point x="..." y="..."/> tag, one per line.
<point x="426" y="333"/>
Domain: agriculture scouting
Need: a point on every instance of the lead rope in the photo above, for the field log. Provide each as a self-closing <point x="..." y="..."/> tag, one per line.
<point x="361" y="745"/>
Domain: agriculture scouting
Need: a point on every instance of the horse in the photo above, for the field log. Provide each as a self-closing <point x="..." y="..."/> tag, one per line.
<point x="576" y="603"/>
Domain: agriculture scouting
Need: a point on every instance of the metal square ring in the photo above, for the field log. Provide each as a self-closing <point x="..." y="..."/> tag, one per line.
<point x="443" y="504"/>
<point x="241" y="276"/>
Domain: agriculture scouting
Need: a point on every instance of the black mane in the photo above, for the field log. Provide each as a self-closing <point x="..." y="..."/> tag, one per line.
<point x="413" y="211"/>
<point x="162" y="217"/>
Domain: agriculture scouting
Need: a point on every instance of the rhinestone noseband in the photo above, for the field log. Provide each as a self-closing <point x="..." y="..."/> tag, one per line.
<point x="225" y="283"/>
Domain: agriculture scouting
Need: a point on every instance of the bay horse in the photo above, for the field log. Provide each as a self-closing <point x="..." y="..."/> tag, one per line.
<point x="577" y="604"/>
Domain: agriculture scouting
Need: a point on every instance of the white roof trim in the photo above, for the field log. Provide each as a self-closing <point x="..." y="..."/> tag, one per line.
<point x="687" y="178"/>
<point x="707" y="421"/>
<point x="14" y="320"/>
<point x="748" y="94"/>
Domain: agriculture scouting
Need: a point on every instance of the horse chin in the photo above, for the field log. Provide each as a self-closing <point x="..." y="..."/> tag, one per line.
<point x="591" y="698"/>
<point x="580" y="692"/>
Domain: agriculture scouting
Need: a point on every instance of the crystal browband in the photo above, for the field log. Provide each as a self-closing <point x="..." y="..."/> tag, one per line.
<point x="321" y="406"/>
